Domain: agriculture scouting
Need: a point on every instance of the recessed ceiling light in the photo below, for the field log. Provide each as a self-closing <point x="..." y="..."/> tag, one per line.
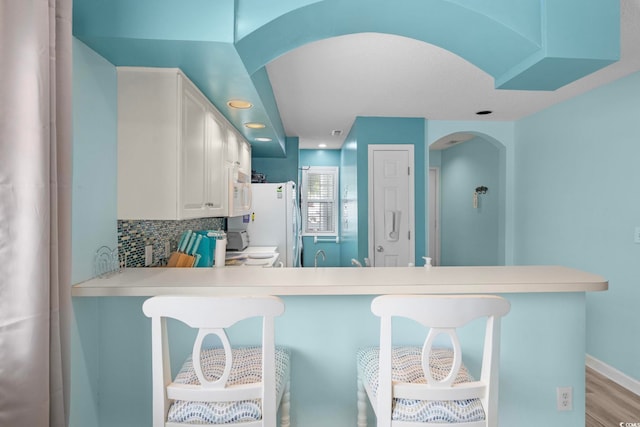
<point x="322" y="145"/>
<point x="484" y="112"/>
<point x="255" y="125"/>
<point x="262" y="139"/>
<point x="239" y="103"/>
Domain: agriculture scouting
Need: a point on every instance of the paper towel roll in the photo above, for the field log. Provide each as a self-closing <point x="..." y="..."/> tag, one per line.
<point x="220" y="252"/>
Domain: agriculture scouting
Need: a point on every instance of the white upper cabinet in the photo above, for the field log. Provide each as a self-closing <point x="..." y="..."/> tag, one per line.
<point x="238" y="152"/>
<point x="217" y="193"/>
<point x="172" y="148"/>
<point x="193" y="151"/>
<point x="232" y="152"/>
<point x="244" y="158"/>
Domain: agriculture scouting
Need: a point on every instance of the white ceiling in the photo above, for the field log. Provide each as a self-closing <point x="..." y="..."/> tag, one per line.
<point x="322" y="86"/>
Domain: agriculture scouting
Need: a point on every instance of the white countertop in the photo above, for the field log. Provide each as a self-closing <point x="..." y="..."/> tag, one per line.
<point x="253" y="256"/>
<point x="341" y="281"/>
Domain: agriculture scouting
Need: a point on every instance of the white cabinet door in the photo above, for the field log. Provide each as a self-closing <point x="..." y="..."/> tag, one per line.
<point x="244" y="158"/>
<point x="193" y="153"/>
<point x="233" y="152"/>
<point x="148" y="130"/>
<point x="217" y="198"/>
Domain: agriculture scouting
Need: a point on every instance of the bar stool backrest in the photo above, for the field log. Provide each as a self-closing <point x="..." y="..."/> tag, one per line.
<point x="443" y="314"/>
<point x="211" y="316"/>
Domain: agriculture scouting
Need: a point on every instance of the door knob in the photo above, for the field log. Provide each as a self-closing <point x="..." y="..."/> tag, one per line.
<point x="380" y="249"/>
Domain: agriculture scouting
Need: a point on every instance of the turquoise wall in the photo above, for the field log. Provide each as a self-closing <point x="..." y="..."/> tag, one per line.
<point x="577" y="205"/>
<point x="386" y="130"/>
<point x="469" y="236"/>
<point x="94" y="214"/>
<point x="279" y="169"/>
<point x="319" y="158"/>
<point x="94" y="157"/>
<point x="502" y="136"/>
<point x="309" y="248"/>
<point x="349" y="201"/>
<point x="435" y="158"/>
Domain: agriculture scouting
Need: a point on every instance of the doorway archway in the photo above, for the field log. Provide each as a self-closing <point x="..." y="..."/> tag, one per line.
<point x="470" y="205"/>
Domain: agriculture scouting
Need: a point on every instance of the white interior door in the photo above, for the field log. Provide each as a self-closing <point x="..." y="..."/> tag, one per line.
<point x="391" y="203"/>
<point x="434" y="217"/>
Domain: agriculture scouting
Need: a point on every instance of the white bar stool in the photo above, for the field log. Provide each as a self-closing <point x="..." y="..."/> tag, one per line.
<point x="241" y="386"/>
<point x="428" y="386"/>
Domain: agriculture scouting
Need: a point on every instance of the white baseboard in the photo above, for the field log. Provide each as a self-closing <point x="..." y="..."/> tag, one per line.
<point x="613" y="374"/>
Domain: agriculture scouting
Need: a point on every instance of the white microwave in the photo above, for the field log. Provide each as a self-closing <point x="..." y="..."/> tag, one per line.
<point x="239" y="193"/>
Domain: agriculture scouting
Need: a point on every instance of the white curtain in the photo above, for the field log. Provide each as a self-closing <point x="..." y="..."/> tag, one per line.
<point x="35" y="211"/>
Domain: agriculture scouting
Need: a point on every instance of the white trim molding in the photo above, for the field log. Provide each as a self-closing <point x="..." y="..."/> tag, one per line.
<point x="613" y="374"/>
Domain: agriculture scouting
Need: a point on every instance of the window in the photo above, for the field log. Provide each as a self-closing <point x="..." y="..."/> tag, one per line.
<point x="320" y="201"/>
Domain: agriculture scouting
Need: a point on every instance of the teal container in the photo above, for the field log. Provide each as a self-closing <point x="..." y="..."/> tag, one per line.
<point x="206" y="249"/>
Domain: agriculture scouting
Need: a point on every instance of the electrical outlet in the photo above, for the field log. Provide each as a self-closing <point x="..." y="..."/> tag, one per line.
<point x="564" y="396"/>
<point x="167" y="249"/>
<point x="148" y="255"/>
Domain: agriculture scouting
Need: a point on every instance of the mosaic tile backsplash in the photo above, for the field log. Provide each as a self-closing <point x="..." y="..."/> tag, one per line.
<point x="134" y="235"/>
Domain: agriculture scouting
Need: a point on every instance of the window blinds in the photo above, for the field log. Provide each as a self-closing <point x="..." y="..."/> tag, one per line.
<point x="320" y="185"/>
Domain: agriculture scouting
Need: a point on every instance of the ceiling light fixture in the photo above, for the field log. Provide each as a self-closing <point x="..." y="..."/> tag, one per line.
<point x="262" y="139"/>
<point x="322" y="145"/>
<point x="239" y="104"/>
<point x="255" y="125"/>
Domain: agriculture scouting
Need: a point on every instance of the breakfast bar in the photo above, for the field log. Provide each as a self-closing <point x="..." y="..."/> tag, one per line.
<point x="341" y="281"/>
<point x="328" y="317"/>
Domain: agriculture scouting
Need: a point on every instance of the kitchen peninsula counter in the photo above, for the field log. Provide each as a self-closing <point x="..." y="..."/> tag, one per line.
<point x="341" y="281"/>
<point x="328" y="318"/>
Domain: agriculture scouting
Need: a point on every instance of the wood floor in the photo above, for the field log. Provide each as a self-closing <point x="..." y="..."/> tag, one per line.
<point x="608" y="404"/>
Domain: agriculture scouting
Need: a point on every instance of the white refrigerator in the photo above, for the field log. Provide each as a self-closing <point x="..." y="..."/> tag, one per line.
<point x="274" y="220"/>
